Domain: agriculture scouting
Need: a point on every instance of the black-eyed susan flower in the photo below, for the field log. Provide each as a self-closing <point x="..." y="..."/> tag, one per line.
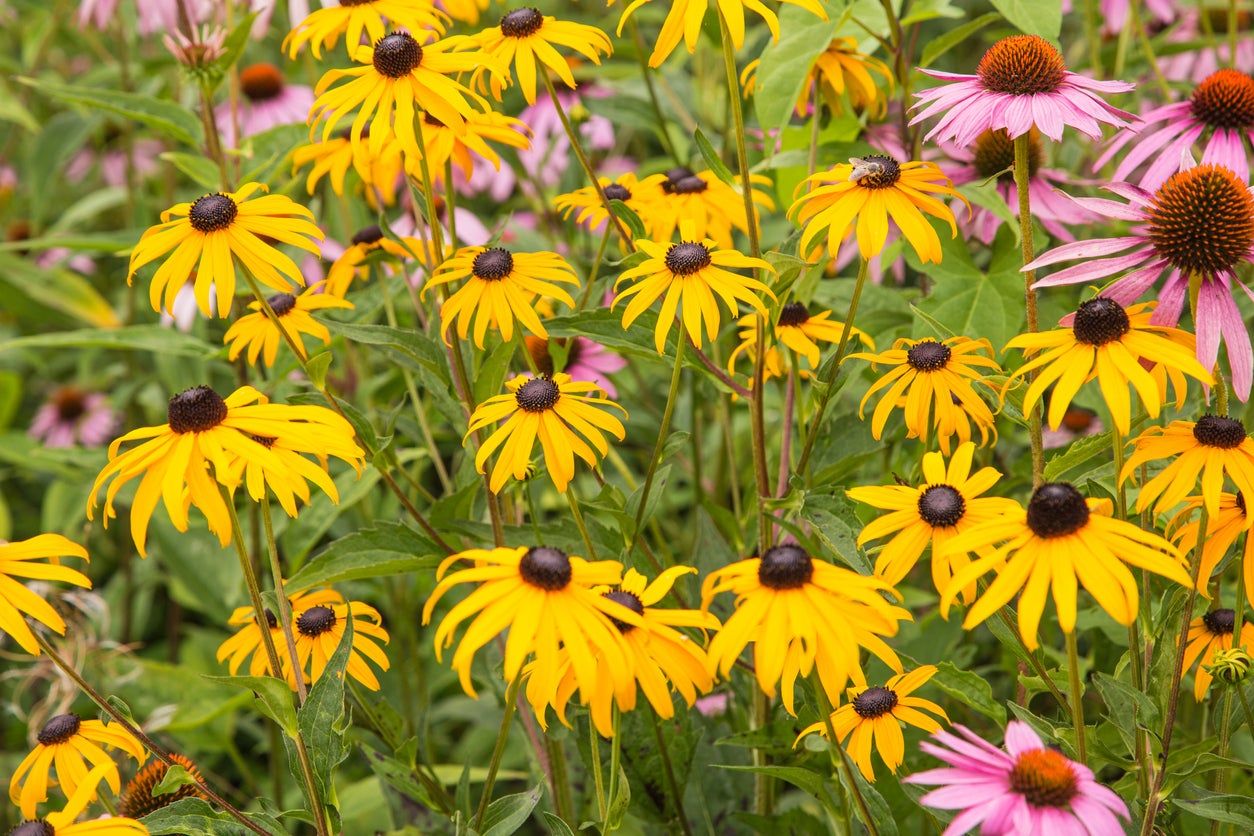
<point x="398" y="76"/>
<point x="355" y="18"/>
<point x="257" y="333"/>
<point x="25" y="560"/>
<point x="796" y="329"/>
<point x="684" y="19"/>
<point x="1222" y="530"/>
<point x="543" y="596"/>
<point x="1208" y="449"/>
<point x="1059" y="540"/>
<point x="351" y="266"/>
<point x="1209" y="634"/>
<point x="66" y="745"/>
<point x="873" y="716"/>
<point x="712" y="207"/>
<point x="248" y="643"/>
<point x="318" y="626"/>
<point x="137" y="798"/>
<point x="864" y="194"/>
<point x="525" y="38"/>
<point x="185" y="461"/>
<point x="659" y="656"/>
<point x="948" y="503"/>
<point x="566" y="415"/>
<point x="444" y="144"/>
<point x="839" y="69"/>
<point x="334" y="156"/>
<point x="62" y="822"/>
<point x="209" y="234"/>
<point x="642" y="195"/>
<point x="802" y="614"/>
<point x="693" y="272"/>
<point x="1120" y="349"/>
<point x="933" y="383"/>
<point x="501" y="286"/>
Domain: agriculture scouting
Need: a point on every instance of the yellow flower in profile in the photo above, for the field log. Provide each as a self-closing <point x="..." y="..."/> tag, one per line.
<point x="248" y="644"/>
<point x="24" y="560"/>
<point x="1207" y="450"/>
<point x="933" y="385"/>
<point x="334" y="156"/>
<point x="873" y="716"/>
<point x="543" y="596"/>
<point x="1210" y="634"/>
<point x="1222" y="531"/>
<point x="63" y="822"/>
<point x="693" y="272"/>
<point x="641" y="196"/>
<point x="950" y="502"/>
<point x="802" y="615"/>
<point x="257" y="333"/>
<point x="66" y="744"/>
<point x="185" y="461"/>
<point x="864" y="194"/>
<point x="318" y="627"/>
<point x="1059" y="540"/>
<point x="501" y="286"/>
<point x="1113" y="346"/>
<point x="659" y="657"/>
<point x="349" y="266"/>
<point x="684" y="19"/>
<point x="526" y="38"/>
<point x="444" y="144"/>
<point x="210" y="233"/>
<point x="712" y="207"/>
<point x="567" y="416"/>
<point x="355" y="18"/>
<point x="796" y="329"/>
<point x="839" y="69"/>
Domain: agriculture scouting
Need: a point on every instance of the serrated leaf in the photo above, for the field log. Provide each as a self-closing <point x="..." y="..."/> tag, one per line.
<point x="164" y="116"/>
<point x="387" y="549"/>
<point x="1033" y="17"/>
<point x="274" y="698"/>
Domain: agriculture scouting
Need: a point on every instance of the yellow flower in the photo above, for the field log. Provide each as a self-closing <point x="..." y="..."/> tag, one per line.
<point x="692" y="272"/>
<point x="797" y="329"/>
<point x="62" y="823"/>
<point x="1208" y="635"/>
<point x="256" y="332"/>
<point x="66" y="744"/>
<point x="349" y="266"/>
<point x="684" y="19"/>
<point x="1213" y="446"/>
<point x="1222" y="530"/>
<point x="208" y="234"/>
<point x="444" y="144"/>
<point x="1059" y="539"/>
<point x="333" y="157"/>
<point x="318" y="624"/>
<point x="641" y="196"/>
<point x="525" y="37"/>
<point x="24" y="560"/>
<point x="838" y="69"/>
<point x="949" y="503"/>
<point x="206" y="442"/>
<point x="801" y="614"/>
<point x="874" y="717"/>
<point x="248" y="641"/>
<point x="712" y="207"/>
<point x="928" y="375"/>
<point x="872" y="191"/>
<point x="542" y="596"/>
<point x="659" y="657"/>
<point x="501" y="286"/>
<point x="1113" y="346"/>
<point x="556" y="409"/>
<point x="355" y="18"/>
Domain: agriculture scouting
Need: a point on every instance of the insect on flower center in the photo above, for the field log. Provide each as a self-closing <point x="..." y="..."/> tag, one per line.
<point x="1044" y="778"/>
<point x="538" y="394"/>
<point x="315" y="621"/>
<point x="875" y="171"/>
<point x="1202" y="220"/>
<point x="195" y="410"/>
<point x="1218" y="431"/>
<point x="368" y="235"/>
<point x="995" y="155"/>
<point x="1022" y="65"/>
<point x="928" y="356"/>
<point x="212" y="213"/>
<point x="1221" y="622"/>
<point x="785" y="567"/>
<point x="941" y="506"/>
<point x="546" y="568"/>
<point x="492" y="264"/>
<point x="261" y="82"/>
<point x="397" y="54"/>
<point x="793" y="314"/>
<point x="1056" y="510"/>
<point x="1099" y="321"/>
<point x="33" y="828"/>
<point x="1225" y="99"/>
<point x="281" y="303"/>
<point x="874" y="702"/>
<point x="70" y="403"/>
<point x="628" y="600"/>
<point x="616" y="191"/>
<point x="59" y="729"/>
<point x="521" y="22"/>
<point x="687" y="257"/>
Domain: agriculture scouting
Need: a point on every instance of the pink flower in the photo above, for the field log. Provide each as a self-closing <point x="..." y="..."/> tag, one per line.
<point x="1077" y="422"/>
<point x="1026" y="789"/>
<point x="550" y="155"/>
<point x="1115" y="14"/>
<point x="163" y="15"/>
<point x="1196" y="63"/>
<point x="1221" y="108"/>
<point x="112" y="160"/>
<point x="71" y="416"/>
<point x="185" y="310"/>
<point x="1021" y="83"/>
<point x="269" y="101"/>
<point x="585" y="361"/>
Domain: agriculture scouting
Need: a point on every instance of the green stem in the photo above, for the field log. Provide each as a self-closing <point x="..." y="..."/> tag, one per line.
<point x="1077" y="697"/>
<point x="502" y="737"/>
<point x="1147" y="49"/>
<point x="1245" y="706"/>
<point x="285" y="605"/>
<point x="645" y="73"/>
<point x="669" y="772"/>
<point x="839" y="759"/>
<point x="562" y="797"/>
<point x="579" y="522"/>
<point x="616" y="755"/>
<point x="1022" y="186"/>
<point x="596" y="270"/>
<point x="1093" y="35"/>
<point x="594" y="750"/>
<point x="672" y="395"/>
<point x="213" y="142"/>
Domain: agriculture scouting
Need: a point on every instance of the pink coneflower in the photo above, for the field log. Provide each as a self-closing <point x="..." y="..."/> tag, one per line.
<point x="1021" y="83"/>
<point x="112" y="160"/>
<point x="1025" y="789"/>
<point x="1221" y="109"/>
<point x="269" y="101"/>
<point x="1196" y="63"/>
<point x="550" y="155"/>
<point x="185" y="310"/>
<point x="71" y="416"/>
<point x="1077" y="422"/>
<point x="585" y="361"/>
<point x="1201" y="221"/>
<point x="1115" y="14"/>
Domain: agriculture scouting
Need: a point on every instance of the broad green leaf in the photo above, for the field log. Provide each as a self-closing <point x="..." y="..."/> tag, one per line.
<point x="60" y="290"/>
<point x="387" y="549"/>
<point x="175" y="776"/>
<point x="164" y="116"/>
<point x="1229" y="809"/>
<point x="804" y="779"/>
<point x="618" y="805"/>
<point x="151" y="338"/>
<point x="203" y="171"/>
<point x="556" y="826"/>
<point x="274" y="698"/>
<point x="785" y="63"/>
<point x="1033" y="17"/>
<point x="194" y="817"/>
<point x="232" y="48"/>
<point x="507" y="814"/>
<point x="713" y="160"/>
<point x="970" y="689"/>
<point x="949" y="39"/>
<point x="635" y="226"/>
<point x="924" y="10"/>
<point x="494" y="371"/>
<point x="12" y="110"/>
<point x="317" y="367"/>
<point x="323" y="720"/>
<point x="835" y="526"/>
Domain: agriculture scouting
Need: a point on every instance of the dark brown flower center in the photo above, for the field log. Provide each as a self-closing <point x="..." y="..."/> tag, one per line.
<point x="686" y="258"/>
<point x="1202" y="220"/>
<point x="928" y="356"/>
<point x="260" y="82"/>
<point x="1220" y="622"/>
<point x="315" y="621"/>
<point x="673" y="176"/>
<point x="876" y="171"/>
<point x="785" y="567"/>
<point x="793" y="314"/>
<point x="397" y="55"/>
<point x="212" y="213"/>
<point x="59" y="729"/>
<point x="874" y="702"/>
<point x="492" y="264"/>
<point x="995" y="154"/>
<point x="628" y="600"/>
<point x="195" y="410"/>
<point x="33" y="828"/>
<point x="538" y="394"/>
<point x="1056" y="510"/>
<point x="941" y="506"/>
<point x="691" y="184"/>
<point x="617" y="191"/>
<point x="1241" y="502"/>
<point x="1022" y="65"/>
<point x="281" y="303"/>
<point x="546" y="568"/>
<point x="1099" y="321"/>
<point x="271" y="620"/>
<point x="1225" y="99"/>
<point x="368" y="235"/>
<point x="70" y="403"/>
<point x="1078" y="419"/>
<point x="137" y="799"/>
<point x="1044" y="778"/>
<point x="521" y="22"/>
<point x="1218" y="431"/>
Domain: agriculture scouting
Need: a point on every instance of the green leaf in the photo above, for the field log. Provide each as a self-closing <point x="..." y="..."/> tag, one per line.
<point x="164" y="116"/>
<point x="968" y="301"/>
<point x="616" y="810"/>
<point x="152" y="338"/>
<point x="274" y="698"/>
<point x="924" y="10"/>
<point x="508" y="813"/>
<point x="938" y="46"/>
<point x="804" y="779"/>
<point x="233" y="48"/>
<point x="713" y="160"/>
<point x="59" y="289"/>
<point x="635" y="226"/>
<point x="493" y="371"/>
<point x="1077" y="453"/>
<point x="835" y="526"/>
<point x="557" y="827"/>
<point x="203" y="171"/>
<point x="317" y="367"/>
<point x="387" y="549"/>
<point x="969" y="689"/>
<point x="1033" y="17"/>
<point x="1229" y="809"/>
<point x="786" y="62"/>
<point x="194" y="817"/>
<point x="12" y="110"/>
<point x="323" y="720"/>
<point x="175" y="776"/>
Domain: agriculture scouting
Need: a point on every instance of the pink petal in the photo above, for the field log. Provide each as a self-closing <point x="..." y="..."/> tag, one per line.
<point x="1020" y="738"/>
